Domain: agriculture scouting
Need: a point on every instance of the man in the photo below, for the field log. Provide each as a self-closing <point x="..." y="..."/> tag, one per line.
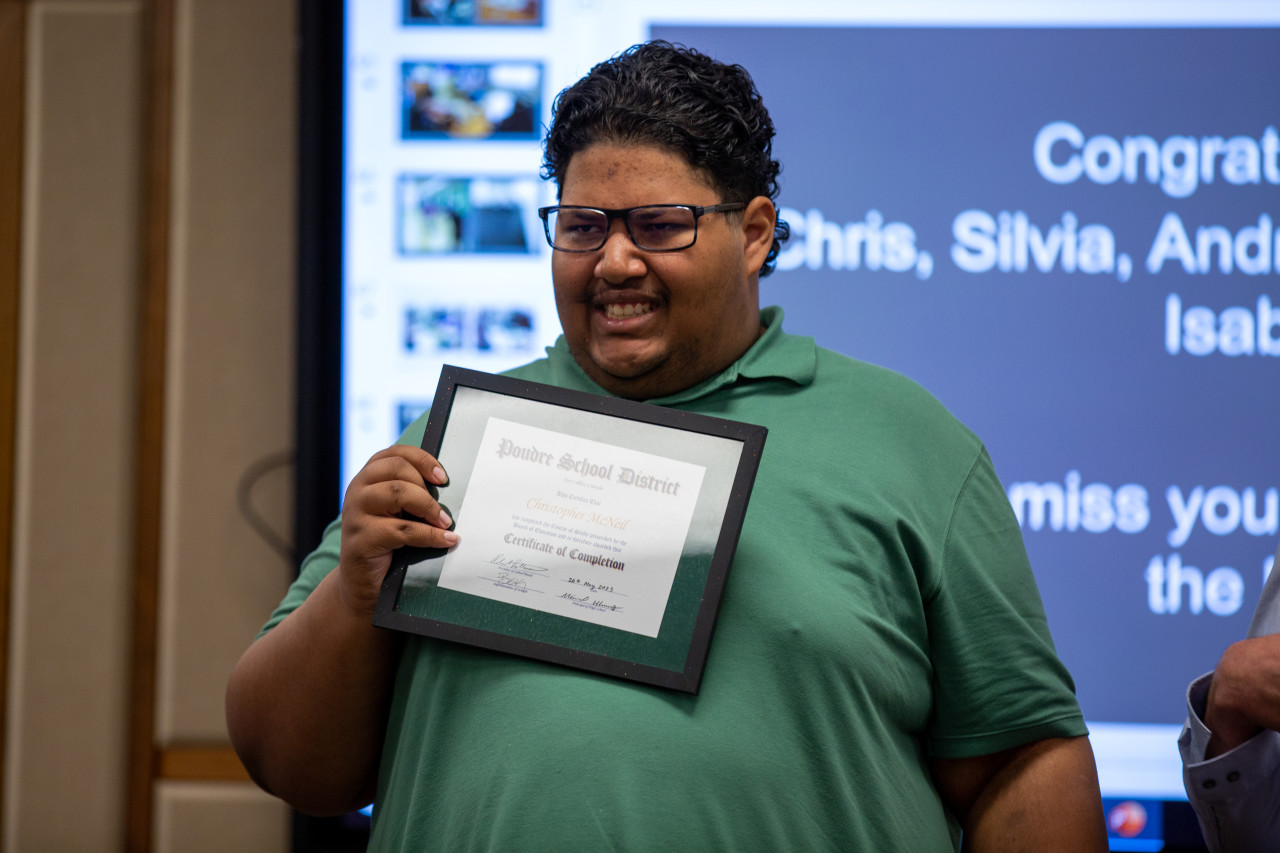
<point x="1230" y="744"/>
<point x="881" y="675"/>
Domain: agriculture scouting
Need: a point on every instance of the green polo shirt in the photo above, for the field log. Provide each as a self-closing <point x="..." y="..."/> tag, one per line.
<point x="880" y="610"/>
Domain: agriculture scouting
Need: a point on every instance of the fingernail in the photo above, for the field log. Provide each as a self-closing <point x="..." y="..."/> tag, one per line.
<point x="450" y="538"/>
<point x="438" y="476"/>
<point x="445" y="519"/>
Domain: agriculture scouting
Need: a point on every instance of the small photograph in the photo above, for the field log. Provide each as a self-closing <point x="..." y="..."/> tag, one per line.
<point x="433" y="329"/>
<point x="472" y="101"/>
<point x="474" y="13"/>
<point x="503" y="330"/>
<point x="408" y="411"/>
<point x="441" y="330"/>
<point x="448" y="215"/>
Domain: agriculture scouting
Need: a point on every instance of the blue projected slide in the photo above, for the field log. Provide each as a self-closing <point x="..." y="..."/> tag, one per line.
<point x="1080" y="259"/>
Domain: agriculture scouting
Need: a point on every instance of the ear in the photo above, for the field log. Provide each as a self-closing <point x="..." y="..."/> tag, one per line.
<point x="758" y="220"/>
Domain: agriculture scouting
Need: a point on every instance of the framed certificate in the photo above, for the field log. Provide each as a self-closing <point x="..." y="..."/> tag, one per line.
<point x="595" y="532"/>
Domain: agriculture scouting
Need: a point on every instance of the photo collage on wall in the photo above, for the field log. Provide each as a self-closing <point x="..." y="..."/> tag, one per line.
<point x="527" y="13"/>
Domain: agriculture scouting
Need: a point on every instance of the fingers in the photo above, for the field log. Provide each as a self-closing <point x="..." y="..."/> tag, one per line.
<point x="389" y="505"/>
<point x="372" y="536"/>
<point x="1247" y="681"/>
<point x="398" y="497"/>
<point x="394" y="458"/>
<point x="395" y="482"/>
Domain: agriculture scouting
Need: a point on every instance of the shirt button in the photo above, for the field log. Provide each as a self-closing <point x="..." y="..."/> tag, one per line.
<point x="1209" y="783"/>
<point x="1233" y="776"/>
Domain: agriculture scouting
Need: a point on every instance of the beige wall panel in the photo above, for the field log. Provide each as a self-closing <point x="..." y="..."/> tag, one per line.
<point x="72" y="572"/>
<point x="230" y="393"/>
<point x="217" y="817"/>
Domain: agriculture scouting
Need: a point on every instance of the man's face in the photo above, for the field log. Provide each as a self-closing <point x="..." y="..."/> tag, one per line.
<point x="646" y="324"/>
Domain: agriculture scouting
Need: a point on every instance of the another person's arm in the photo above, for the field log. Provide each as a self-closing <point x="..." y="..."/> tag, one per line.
<point x="307" y="702"/>
<point x="1231" y="748"/>
<point x="1244" y="695"/>
<point x="1230" y="745"/>
<point x="1041" y="797"/>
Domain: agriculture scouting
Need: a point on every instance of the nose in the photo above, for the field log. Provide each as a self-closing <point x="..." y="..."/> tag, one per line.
<point x="619" y="259"/>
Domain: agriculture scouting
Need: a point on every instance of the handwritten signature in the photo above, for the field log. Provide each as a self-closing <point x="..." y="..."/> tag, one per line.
<point x="514" y="564"/>
<point x="510" y="581"/>
<point x="588" y="601"/>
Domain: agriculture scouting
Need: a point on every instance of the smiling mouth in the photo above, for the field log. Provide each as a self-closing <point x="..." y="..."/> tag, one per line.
<point x="623" y="310"/>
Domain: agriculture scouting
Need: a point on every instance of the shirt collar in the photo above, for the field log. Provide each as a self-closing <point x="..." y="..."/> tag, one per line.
<point x="774" y="355"/>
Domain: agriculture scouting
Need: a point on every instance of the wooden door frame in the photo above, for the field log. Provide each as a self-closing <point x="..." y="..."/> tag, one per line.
<point x="157" y="142"/>
<point x="13" y="40"/>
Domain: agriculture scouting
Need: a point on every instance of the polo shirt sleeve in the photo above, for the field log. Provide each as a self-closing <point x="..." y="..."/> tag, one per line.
<point x="317" y="564"/>
<point x="998" y="682"/>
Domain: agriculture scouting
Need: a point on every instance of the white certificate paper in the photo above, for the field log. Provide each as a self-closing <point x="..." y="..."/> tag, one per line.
<point x="565" y="525"/>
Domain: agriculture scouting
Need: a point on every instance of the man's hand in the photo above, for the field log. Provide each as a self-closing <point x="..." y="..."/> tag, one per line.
<point x="1244" y="696"/>
<point x="388" y="505"/>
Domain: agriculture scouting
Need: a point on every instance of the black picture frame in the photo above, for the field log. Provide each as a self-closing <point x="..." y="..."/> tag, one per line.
<point x="727" y="455"/>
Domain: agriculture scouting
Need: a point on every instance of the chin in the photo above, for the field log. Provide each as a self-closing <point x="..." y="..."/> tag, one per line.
<point x="624" y="384"/>
<point x="623" y="380"/>
<point x="625" y="366"/>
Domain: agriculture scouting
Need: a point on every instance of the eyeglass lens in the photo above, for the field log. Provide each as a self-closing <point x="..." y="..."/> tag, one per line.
<point x="654" y="228"/>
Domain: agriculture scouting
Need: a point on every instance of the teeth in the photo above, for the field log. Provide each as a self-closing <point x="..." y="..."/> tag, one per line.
<point x="628" y="309"/>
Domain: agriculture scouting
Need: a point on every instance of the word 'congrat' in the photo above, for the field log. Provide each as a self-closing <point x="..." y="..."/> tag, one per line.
<point x="508" y="449"/>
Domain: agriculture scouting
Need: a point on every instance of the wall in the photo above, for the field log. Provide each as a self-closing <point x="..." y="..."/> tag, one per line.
<point x="157" y="204"/>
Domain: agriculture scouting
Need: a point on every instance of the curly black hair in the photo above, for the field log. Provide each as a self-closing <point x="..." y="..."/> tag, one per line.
<point x="676" y="98"/>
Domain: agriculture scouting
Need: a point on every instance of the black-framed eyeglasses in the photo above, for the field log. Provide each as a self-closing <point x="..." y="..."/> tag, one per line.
<point x="653" y="228"/>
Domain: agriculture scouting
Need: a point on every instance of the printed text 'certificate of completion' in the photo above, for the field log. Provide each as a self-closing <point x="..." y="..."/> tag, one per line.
<point x="574" y="527"/>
